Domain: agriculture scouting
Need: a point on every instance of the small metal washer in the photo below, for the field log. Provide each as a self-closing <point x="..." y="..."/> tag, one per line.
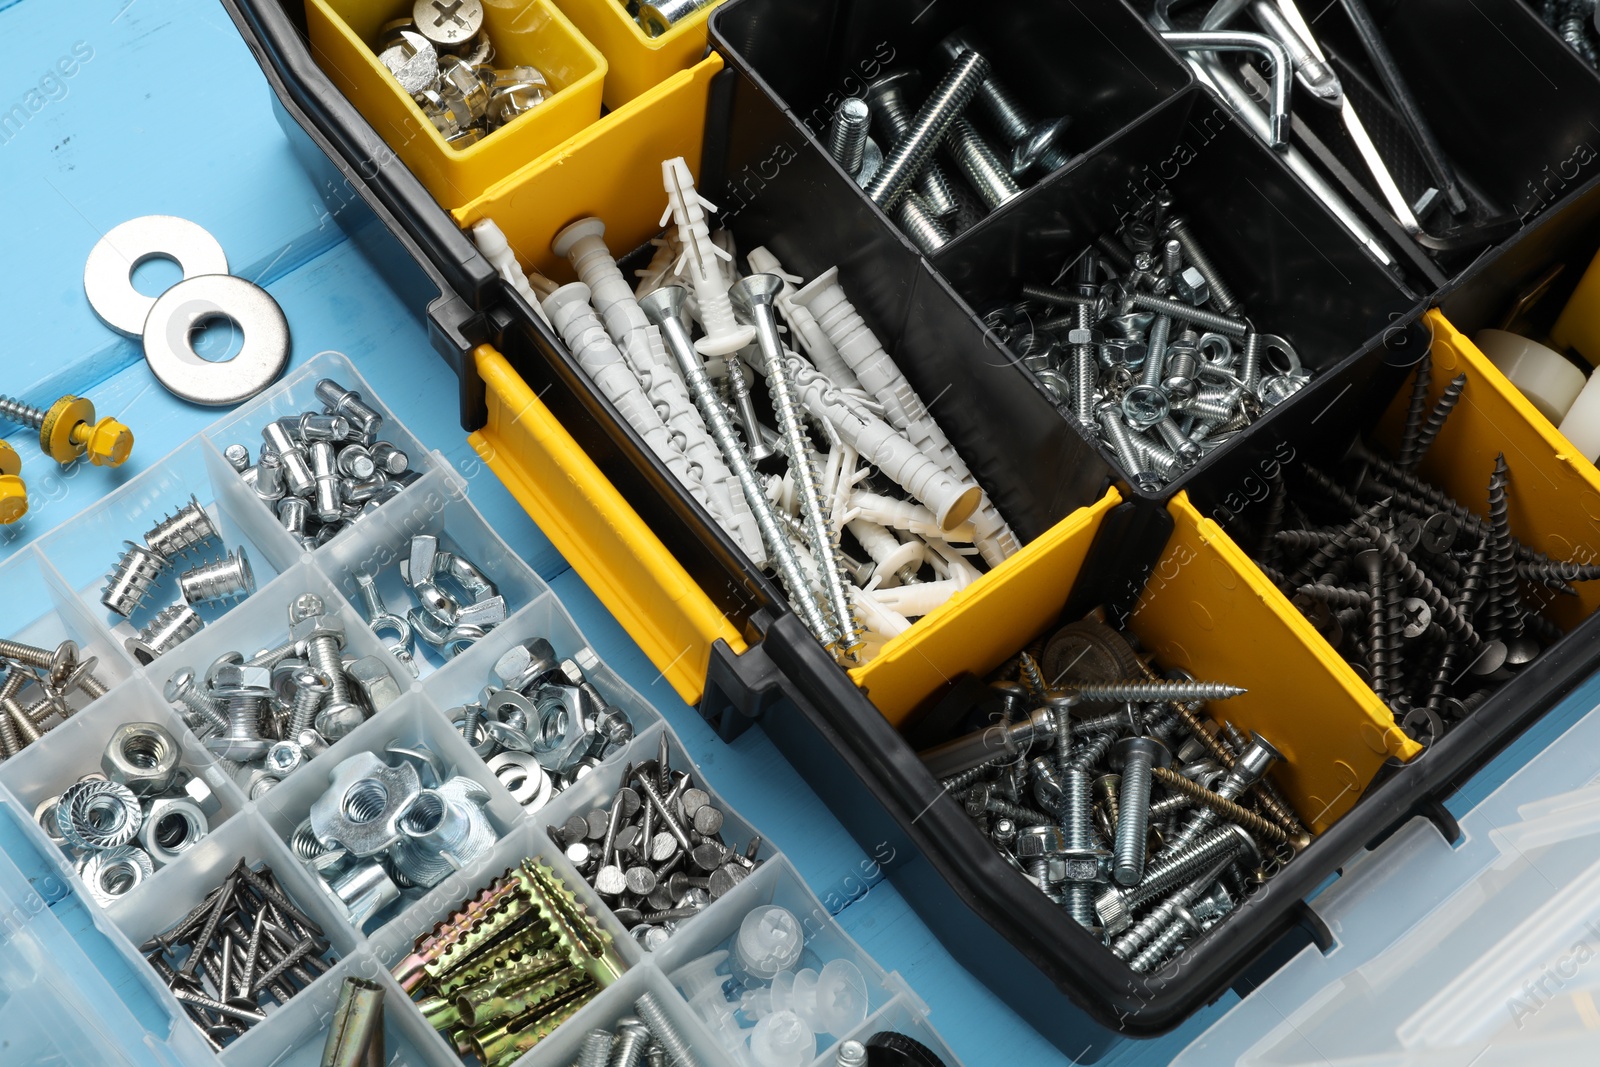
<point x="172" y="358"/>
<point x="108" y="274"/>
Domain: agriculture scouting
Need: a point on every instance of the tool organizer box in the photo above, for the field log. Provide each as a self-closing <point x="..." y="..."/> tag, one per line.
<point x="1510" y="102"/>
<point x="56" y="959"/>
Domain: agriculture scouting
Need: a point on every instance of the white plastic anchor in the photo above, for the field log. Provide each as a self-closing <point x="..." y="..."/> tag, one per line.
<point x="897" y="561"/>
<point x="569" y="312"/>
<point x="860" y="348"/>
<point x="658" y="271"/>
<point x="583" y="245"/>
<point x="952" y="565"/>
<point x="915" y="601"/>
<point x="702" y="262"/>
<point x="491" y="241"/>
<point x="905" y="515"/>
<point x="951" y="500"/>
<point x="811" y="338"/>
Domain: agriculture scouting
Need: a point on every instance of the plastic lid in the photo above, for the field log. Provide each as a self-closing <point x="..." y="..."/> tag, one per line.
<point x="770" y="940"/>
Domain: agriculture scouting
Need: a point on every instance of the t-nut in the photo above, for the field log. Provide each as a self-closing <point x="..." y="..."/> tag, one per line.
<point x="142" y="756"/>
<point x="171" y="826"/>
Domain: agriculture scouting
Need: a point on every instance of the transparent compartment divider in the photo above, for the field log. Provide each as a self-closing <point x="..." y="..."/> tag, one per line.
<point x="41" y="609"/>
<point x="561" y="1048"/>
<point x="86" y="548"/>
<point x="295" y="394"/>
<point x="394" y="941"/>
<point x="462" y="679"/>
<point x="436" y="504"/>
<point x="412" y="722"/>
<point x="255" y="517"/>
<point x="776" y="882"/>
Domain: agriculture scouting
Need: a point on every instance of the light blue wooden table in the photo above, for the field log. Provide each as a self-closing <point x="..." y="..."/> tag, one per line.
<point x="164" y="111"/>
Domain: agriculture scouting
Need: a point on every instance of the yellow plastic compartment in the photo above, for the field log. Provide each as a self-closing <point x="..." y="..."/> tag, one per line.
<point x="1579" y="324"/>
<point x="1554" y="493"/>
<point x="638" y="61"/>
<point x="611" y="171"/>
<point x="533" y="32"/>
<point x="604" y="539"/>
<point x="1209" y="610"/>
<point x="984" y="624"/>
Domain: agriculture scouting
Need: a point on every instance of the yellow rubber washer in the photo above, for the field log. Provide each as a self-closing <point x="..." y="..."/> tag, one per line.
<point x="56" y="431"/>
<point x="13" y="493"/>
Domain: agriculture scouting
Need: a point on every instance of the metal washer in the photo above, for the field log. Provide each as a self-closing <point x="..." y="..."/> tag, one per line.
<point x="172" y="358"/>
<point x="108" y="274"/>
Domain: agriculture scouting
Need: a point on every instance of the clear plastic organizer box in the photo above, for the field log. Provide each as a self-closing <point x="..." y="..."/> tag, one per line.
<point x="74" y="987"/>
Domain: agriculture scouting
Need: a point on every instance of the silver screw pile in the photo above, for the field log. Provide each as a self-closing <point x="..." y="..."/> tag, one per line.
<point x="38" y="688"/>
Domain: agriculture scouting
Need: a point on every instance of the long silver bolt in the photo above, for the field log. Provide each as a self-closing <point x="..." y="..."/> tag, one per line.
<point x="1077" y="821"/>
<point x="1189" y="313"/>
<point x="1121" y="438"/>
<point x="1180" y="924"/>
<point x="917" y="222"/>
<point x="679" y="1054"/>
<point x="753" y="300"/>
<point x="928" y="128"/>
<point x="1169" y="871"/>
<point x="1155" y="359"/>
<point x="1221" y="295"/>
<point x="887" y="98"/>
<point x="1033" y="142"/>
<point x="1133" y="757"/>
<point x="980" y="164"/>
<point x="1249" y="768"/>
<point x="1084" y="369"/>
<point x="847" y="136"/>
<point x="1156" y="921"/>
<point x="664" y="309"/>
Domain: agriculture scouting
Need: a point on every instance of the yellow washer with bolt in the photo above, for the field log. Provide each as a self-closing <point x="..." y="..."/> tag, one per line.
<point x="13" y="493"/>
<point x="68" y="430"/>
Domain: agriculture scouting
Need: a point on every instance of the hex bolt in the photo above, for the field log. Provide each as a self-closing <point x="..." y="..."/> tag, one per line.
<point x="847" y="134"/>
<point x="980" y="165"/>
<point x="1134" y="757"/>
<point x="1221" y="295"/>
<point x="68" y="430"/>
<point x="218" y="580"/>
<point x="905" y="160"/>
<point x="245" y="707"/>
<point x="128" y="584"/>
<point x="664" y="309"/>
<point x="341" y="401"/>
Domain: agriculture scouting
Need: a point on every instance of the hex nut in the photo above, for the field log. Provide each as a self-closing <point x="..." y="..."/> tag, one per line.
<point x="371" y="678"/>
<point x="142" y="756"/>
<point x="199" y="791"/>
<point x="113" y="873"/>
<point x="172" y="825"/>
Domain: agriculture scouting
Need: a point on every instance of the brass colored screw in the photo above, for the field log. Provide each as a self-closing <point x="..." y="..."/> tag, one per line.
<point x="1262" y="828"/>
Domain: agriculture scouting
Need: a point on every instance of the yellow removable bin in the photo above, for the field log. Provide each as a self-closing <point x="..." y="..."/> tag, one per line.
<point x="638" y="61"/>
<point x="1553" y="494"/>
<point x="605" y="171"/>
<point x="535" y="32"/>
<point x="1209" y="610"/>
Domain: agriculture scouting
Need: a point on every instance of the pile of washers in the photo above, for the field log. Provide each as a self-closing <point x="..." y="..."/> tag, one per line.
<point x="167" y="323"/>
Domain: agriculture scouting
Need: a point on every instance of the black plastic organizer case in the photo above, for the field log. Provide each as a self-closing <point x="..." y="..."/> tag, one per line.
<point x="1135" y="109"/>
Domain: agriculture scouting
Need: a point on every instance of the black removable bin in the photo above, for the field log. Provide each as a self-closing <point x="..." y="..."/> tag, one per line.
<point x="999" y="926"/>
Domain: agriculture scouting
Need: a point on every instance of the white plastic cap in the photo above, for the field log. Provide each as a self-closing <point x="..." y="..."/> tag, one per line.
<point x="782" y="1040"/>
<point x="770" y="940"/>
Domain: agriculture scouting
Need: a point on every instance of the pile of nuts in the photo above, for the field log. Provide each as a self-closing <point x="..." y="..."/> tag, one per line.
<point x="210" y="581"/>
<point x="243" y="947"/>
<point x="441" y="56"/>
<point x="1108" y="788"/>
<point x="656" y="855"/>
<point x="1432" y="604"/>
<point x="140" y="811"/>
<point x="457" y="604"/>
<point x="324" y="469"/>
<point x="282" y="706"/>
<point x="1147" y="348"/>
<point x="515" y="961"/>
<point x="541" y="724"/>
<point x="385" y="827"/>
<point x="57" y="673"/>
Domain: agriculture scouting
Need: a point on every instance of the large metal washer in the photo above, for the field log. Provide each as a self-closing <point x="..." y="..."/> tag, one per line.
<point x="108" y="274"/>
<point x="172" y="359"/>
